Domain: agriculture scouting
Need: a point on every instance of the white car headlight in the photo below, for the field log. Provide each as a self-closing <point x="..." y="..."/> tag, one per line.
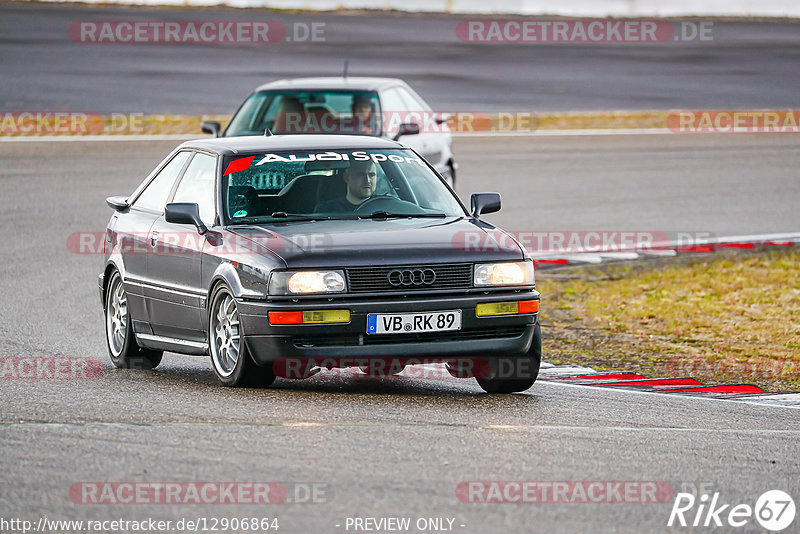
<point x="306" y="282"/>
<point x="519" y="273"/>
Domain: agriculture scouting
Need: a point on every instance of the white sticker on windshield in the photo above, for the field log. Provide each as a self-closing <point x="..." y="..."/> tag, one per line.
<point x="376" y="157"/>
<point x="294" y="158"/>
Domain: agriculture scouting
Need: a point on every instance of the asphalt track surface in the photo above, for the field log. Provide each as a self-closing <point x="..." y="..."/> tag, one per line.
<point x="384" y="447"/>
<point x="747" y="65"/>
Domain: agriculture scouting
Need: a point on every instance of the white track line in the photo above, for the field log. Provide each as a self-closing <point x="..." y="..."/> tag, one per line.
<point x="559" y="371"/>
<point x="567" y="133"/>
<point x="93" y="138"/>
<point x="673" y="396"/>
<point x="168" y="137"/>
<point x="548" y="370"/>
<point x="658" y="249"/>
<point x="534" y="133"/>
<point x="599" y="131"/>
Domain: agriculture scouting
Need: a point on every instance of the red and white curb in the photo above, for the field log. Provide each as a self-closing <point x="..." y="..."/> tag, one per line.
<point x="549" y="259"/>
<point x="586" y="376"/>
<point x="589" y="377"/>
<point x="685" y="386"/>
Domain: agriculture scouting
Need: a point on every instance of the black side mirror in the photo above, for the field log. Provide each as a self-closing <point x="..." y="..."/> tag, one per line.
<point x="484" y="203"/>
<point x="212" y="127"/>
<point x="407" y="128"/>
<point x="118" y="203"/>
<point x="185" y="213"/>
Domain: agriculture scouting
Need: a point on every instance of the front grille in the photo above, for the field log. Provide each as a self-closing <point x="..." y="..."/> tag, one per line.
<point x="376" y="279"/>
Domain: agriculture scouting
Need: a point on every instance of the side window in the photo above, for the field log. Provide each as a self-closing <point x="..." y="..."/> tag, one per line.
<point x="394" y="110"/>
<point x="264" y="115"/>
<point x="197" y="186"/>
<point x="411" y="100"/>
<point x="251" y="114"/>
<point x="392" y="101"/>
<point x="155" y="194"/>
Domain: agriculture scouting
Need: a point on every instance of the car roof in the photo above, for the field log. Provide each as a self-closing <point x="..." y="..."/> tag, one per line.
<point x="261" y="143"/>
<point x="335" y="83"/>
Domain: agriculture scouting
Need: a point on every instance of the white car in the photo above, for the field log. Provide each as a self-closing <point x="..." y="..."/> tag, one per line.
<point x="381" y="107"/>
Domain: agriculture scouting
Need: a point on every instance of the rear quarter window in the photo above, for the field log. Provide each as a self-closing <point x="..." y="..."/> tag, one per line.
<point x="155" y="194"/>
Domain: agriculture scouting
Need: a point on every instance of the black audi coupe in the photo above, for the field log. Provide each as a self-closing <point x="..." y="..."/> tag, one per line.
<point x="281" y="255"/>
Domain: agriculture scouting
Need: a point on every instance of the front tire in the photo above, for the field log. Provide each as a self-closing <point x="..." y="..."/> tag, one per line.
<point x="512" y="374"/>
<point x="230" y="358"/>
<point x="125" y="353"/>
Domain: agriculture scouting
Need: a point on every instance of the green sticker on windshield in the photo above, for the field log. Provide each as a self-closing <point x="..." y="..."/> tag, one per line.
<point x="240" y="213"/>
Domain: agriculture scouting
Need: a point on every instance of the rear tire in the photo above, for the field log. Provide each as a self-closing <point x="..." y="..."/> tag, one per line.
<point x="230" y="359"/>
<point x="512" y="374"/>
<point x="123" y="349"/>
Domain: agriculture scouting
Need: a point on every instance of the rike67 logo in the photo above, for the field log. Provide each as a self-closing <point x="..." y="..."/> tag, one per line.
<point x="774" y="510"/>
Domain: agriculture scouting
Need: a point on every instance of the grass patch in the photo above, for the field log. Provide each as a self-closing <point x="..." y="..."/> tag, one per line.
<point x="728" y="317"/>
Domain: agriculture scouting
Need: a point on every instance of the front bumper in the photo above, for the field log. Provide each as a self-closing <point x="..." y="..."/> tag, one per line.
<point x="479" y="336"/>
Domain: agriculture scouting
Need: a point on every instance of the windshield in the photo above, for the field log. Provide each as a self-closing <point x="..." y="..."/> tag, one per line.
<point x="333" y="184"/>
<point x="292" y="112"/>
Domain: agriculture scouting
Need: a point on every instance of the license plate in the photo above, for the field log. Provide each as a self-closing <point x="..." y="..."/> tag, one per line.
<point x="413" y="323"/>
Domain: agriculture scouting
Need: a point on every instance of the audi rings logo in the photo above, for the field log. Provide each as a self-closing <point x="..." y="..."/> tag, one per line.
<point x="411" y="277"/>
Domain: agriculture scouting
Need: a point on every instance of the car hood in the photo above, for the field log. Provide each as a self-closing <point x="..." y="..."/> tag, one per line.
<point x="344" y="243"/>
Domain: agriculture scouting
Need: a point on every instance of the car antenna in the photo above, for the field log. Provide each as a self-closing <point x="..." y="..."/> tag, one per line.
<point x="344" y="74"/>
<point x="267" y="133"/>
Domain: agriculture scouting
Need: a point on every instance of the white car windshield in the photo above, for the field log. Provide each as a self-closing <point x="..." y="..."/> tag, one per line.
<point x="334" y="184"/>
<point x="308" y="112"/>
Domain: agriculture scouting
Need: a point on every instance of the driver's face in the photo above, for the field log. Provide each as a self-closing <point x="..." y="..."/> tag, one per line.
<point x="362" y="110"/>
<point x="361" y="180"/>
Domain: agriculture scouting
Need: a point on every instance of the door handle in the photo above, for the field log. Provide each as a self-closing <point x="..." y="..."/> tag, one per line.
<point x="153" y="238"/>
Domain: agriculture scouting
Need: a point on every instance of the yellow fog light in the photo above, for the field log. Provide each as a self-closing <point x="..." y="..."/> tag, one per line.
<point x="326" y="316"/>
<point x="496" y="308"/>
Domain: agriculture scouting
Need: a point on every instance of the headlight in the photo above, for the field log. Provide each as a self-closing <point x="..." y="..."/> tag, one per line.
<point x="306" y="282"/>
<point x="518" y="273"/>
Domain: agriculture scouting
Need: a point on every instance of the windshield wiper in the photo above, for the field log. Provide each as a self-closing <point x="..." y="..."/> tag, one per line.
<point x="304" y="216"/>
<point x="390" y="215"/>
